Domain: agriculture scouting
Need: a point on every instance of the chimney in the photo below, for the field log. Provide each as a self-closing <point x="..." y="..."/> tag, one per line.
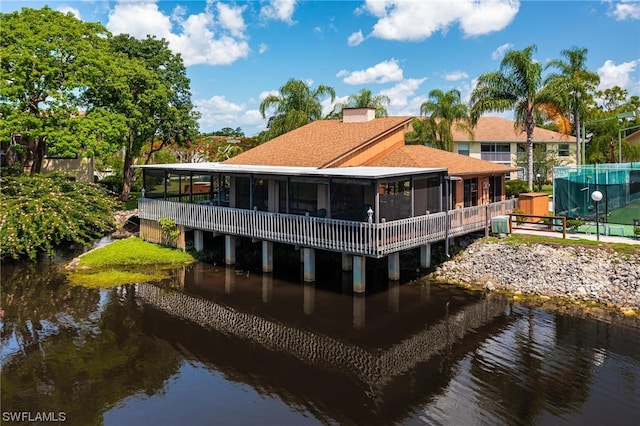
<point x="358" y="115"/>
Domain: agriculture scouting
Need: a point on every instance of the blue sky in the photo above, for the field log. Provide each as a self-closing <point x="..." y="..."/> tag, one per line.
<point x="238" y="52"/>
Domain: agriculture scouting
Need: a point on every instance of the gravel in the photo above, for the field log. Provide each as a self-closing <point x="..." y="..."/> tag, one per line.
<point x="574" y="272"/>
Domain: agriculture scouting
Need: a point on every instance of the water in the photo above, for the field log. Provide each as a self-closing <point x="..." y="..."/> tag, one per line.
<point x="219" y="346"/>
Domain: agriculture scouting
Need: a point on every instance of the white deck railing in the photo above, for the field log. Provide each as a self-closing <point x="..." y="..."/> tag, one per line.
<point x="359" y="238"/>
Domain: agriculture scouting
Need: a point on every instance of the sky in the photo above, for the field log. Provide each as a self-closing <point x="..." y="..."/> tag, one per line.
<point x="238" y="52"/>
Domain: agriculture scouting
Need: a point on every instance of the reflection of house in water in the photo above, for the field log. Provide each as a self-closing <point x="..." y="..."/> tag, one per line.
<point x="349" y="186"/>
<point x="299" y="346"/>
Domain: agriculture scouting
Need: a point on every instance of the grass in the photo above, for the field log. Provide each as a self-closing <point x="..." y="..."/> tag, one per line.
<point x="626" y="214"/>
<point x="126" y="262"/>
<point x="132" y="202"/>
<point x="133" y="252"/>
<point x="621" y="248"/>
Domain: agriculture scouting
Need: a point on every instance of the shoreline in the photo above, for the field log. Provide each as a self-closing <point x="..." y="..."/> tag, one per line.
<point x="589" y="277"/>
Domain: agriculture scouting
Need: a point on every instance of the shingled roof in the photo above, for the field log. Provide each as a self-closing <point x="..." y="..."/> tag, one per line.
<point x="497" y="129"/>
<point x="457" y="165"/>
<point x="319" y="143"/>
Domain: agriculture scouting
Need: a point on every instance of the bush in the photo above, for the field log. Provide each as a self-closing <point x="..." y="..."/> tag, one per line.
<point x="112" y="183"/>
<point x="513" y="188"/>
<point x="41" y="213"/>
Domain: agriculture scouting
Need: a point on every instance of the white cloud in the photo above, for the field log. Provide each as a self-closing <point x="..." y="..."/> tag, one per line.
<point x="355" y="38"/>
<point x="68" y="9"/>
<point x="262" y="47"/>
<point x="382" y="72"/>
<point x="217" y="112"/>
<point x="401" y="94"/>
<point x="500" y="51"/>
<point x="418" y="20"/>
<point x="279" y="10"/>
<point x="619" y="75"/>
<point x="214" y="37"/>
<point x="456" y="75"/>
<point x="627" y="9"/>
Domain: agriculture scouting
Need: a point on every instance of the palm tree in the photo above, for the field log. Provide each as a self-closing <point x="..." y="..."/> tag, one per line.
<point x="364" y="99"/>
<point x="516" y="85"/>
<point x="575" y="82"/>
<point x="445" y="110"/>
<point x="296" y="105"/>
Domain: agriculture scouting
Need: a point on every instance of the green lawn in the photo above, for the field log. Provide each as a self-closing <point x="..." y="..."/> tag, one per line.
<point x="625" y="215"/>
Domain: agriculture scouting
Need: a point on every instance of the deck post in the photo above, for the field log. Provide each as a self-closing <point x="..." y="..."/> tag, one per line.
<point x="267" y="287"/>
<point x="229" y="279"/>
<point x="359" y="274"/>
<point x="198" y="240"/>
<point x="230" y="249"/>
<point x="347" y="262"/>
<point x="309" y="255"/>
<point x="425" y="256"/>
<point x="267" y="256"/>
<point x="393" y="260"/>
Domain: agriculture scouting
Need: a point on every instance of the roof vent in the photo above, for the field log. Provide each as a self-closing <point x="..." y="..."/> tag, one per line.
<point x="358" y="115"/>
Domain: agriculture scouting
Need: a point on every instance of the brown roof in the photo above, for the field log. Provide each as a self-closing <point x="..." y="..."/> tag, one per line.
<point x="422" y="156"/>
<point x="496" y="129"/>
<point x="319" y="142"/>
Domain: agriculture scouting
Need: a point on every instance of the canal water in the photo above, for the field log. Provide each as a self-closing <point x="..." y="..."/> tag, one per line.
<point x="216" y="346"/>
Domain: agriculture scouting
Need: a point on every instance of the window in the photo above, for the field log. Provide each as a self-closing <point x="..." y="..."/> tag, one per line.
<point x="563" y="150"/>
<point x="496" y="152"/>
<point x="471" y="192"/>
<point x="463" y="149"/>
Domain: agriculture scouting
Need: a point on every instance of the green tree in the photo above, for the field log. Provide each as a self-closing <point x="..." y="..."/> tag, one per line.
<point x="516" y="85"/>
<point x="577" y="84"/>
<point x="296" y="105"/>
<point x="151" y="90"/>
<point x="363" y="99"/>
<point x="48" y="61"/>
<point x="444" y="110"/>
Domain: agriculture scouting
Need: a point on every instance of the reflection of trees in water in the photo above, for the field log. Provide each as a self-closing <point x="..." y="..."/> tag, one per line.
<point x="526" y="373"/>
<point x="75" y="356"/>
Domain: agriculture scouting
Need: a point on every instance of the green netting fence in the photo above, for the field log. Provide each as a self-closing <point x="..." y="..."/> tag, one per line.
<point x="618" y="183"/>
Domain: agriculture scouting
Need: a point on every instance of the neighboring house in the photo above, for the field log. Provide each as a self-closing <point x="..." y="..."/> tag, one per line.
<point x="496" y="140"/>
<point x="360" y="139"/>
<point x="633" y="138"/>
<point x="81" y="168"/>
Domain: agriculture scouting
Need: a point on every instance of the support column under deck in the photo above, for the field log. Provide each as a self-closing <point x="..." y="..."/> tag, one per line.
<point x="309" y="256"/>
<point x="230" y="249"/>
<point x="394" y="266"/>
<point x="359" y="274"/>
<point x="425" y="256"/>
<point x="267" y="256"/>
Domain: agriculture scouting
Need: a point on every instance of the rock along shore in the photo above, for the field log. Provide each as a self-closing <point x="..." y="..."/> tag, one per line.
<point x="572" y="272"/>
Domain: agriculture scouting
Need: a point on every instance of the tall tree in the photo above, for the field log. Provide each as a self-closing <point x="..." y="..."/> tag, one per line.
<point x="576" y="82"/>
<point x="444" y="110"/>
<point x="296" y="105"/>
<point x="151" y="89"/>
<point x="516" y="85"/>
<point x="48" y="60"/>
<point x="364" y="99"/>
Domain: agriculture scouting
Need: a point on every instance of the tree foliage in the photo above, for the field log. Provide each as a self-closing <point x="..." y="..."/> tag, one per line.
<point x="516" y="85"/>
<point x="444" y="110"/>
<point x="41" y="213"/>
<point x="363" y="99"/>
<point x="48" y="60"/>
<point x="295" y="106"/>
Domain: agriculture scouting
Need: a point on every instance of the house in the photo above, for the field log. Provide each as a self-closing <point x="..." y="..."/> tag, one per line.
<point x="349" y="186"/>
<point x="495" y="139"/>
<point x="360" y="139"/>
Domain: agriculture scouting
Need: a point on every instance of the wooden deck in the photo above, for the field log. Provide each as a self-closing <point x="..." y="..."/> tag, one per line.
<point x="357" y="238"/>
